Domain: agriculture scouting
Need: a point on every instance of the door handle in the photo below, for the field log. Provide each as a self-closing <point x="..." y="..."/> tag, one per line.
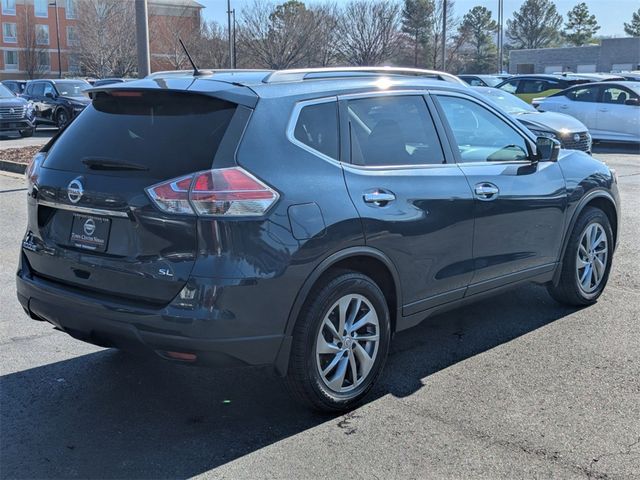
<point x="378" y="197"/>
<point x="604" y="109"/>
<point x="564" y="107"/>
<point x="486" y="191"/>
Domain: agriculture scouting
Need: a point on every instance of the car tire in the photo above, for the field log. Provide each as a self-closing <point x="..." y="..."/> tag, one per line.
<point x="329" y="370"/>
<point x="587" y="260"/>
<point x="27" y="132"/>
<point x="62" y="118"/>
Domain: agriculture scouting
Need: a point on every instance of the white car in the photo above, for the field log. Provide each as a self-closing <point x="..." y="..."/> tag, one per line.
<point x="611" y="110"/>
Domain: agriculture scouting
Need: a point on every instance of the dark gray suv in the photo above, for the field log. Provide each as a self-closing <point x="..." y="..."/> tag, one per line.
<point x="300" y="218"/>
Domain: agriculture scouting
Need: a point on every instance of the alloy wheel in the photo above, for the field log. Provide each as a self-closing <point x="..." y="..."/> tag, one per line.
<point x="347" y="343"/>
<point x="591" y="258"/>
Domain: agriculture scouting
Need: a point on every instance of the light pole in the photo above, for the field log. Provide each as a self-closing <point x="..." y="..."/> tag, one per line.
<point x="235" y="60"/>
<point x="230" y="33"/>
<point x="55" y="5"/>
<point x="500" y="33"/>
<point x="142" y="38"/>
<point x="444" y="35"/>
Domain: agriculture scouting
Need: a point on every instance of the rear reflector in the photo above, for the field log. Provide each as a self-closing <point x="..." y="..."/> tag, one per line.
<point x="185" y="357"/>
<point x="226" y="192"/>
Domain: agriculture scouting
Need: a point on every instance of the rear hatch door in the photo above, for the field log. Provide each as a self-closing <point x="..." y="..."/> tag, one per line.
<point x="91" y="223"/>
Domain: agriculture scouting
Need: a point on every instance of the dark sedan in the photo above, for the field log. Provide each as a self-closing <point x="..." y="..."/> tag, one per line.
<point x="571" y="132"/>
<point x="16" y="113"/>
<point x="57" y="102"/>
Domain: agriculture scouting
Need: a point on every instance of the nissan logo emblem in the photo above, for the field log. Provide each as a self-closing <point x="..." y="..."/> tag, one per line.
<point x="75" y="190"/>
<point x="89" y="226"/>
<point x="576" y="137"/>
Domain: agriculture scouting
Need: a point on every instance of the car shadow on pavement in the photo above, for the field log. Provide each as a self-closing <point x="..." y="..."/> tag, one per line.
<point x="111" y="415"/>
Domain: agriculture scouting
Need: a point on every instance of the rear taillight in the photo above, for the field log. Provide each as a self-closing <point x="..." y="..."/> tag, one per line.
<point x="229" y="192"/>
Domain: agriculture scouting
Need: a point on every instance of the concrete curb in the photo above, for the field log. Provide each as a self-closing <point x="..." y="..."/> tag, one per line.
<point x="13" y="167"/>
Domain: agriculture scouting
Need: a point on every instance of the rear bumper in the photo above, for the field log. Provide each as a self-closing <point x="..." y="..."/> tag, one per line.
<point x="112" y="324"/>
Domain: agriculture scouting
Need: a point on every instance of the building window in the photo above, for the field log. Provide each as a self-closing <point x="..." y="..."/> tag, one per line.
<point x="42" y="34"/>
<point x="41" y="8"/>
<point x="9" y="33"/>
<point x="44" y="61"/>
<point x="72" y="36"/>
<point x="70" y="7"/>
<point x="10" y="60"/>
<point x="8" y="7"/>
<point x="74" y="64"/>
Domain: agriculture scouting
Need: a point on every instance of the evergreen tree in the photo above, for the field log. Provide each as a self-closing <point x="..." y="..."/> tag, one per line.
<point x="633" y="28"/>
<point x="581" y="26"/>
<point x="535" y="25"/>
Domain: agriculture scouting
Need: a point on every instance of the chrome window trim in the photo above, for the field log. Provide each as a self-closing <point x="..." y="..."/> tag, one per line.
<point x="79" y="209"/>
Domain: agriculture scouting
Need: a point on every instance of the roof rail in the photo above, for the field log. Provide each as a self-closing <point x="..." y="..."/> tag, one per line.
<point x="299" y="74"/>
<point x="207" y="71"/>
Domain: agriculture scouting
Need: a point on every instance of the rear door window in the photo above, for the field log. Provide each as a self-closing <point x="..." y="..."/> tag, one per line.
<point x="393" y="131"/>
<point x="166" y="133"/>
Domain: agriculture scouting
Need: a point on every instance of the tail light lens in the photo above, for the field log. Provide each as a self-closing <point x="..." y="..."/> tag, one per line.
<point x="172" y="196"/>
<point x="228" y="192"/>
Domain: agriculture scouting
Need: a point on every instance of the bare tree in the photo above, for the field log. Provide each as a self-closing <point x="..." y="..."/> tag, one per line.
<point x="106" y="38"/>
<point x="435" y="41"/>
<point x="280" y="36"/>
<point x="35" y="46"/>
<point x="212" y="49"/>
<point x="368" y="32"/>
<point x="324" y="52"/>
<point x="165" y="30"/>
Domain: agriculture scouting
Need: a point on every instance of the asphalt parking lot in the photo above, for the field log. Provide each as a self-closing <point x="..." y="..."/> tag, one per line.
<point x="14" y="140"/>
<point x="512" y="387"/>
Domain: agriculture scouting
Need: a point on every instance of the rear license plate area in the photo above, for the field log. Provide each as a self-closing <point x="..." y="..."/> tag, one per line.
<point x="89" y="232"/>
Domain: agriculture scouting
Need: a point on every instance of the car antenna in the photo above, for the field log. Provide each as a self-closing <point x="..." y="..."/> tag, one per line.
<point x="196" y="72"/>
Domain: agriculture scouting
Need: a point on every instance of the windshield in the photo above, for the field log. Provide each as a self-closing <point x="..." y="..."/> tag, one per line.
<point x="72" y="88"/>
<point x="507" y="101"/>
<point x="5" y="92"/>
<point x="491" y="81"/>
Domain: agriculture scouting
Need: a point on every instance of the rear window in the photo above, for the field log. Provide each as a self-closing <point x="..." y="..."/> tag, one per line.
<point x="169" y="133"/>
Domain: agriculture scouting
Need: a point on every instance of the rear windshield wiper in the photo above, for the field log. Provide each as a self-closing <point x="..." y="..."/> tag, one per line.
<point x="104" y="164"/>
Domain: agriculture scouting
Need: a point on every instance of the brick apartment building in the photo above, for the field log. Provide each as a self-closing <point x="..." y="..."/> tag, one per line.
<point x="29" y="35"/>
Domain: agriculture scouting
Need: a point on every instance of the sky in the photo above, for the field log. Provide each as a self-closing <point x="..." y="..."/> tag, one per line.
<point x="611" y="14"/>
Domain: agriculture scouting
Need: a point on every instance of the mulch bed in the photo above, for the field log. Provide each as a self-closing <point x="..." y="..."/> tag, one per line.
<point x="19" y="155"/>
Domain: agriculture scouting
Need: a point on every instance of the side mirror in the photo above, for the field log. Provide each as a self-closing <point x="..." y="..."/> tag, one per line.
<point x="547" y="149"/>
<point x="634" y="102"/>
<point x="49" y="95"/>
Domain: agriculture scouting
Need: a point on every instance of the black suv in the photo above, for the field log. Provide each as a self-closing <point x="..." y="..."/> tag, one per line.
<point x="57" y="102"/>
<point x="300" y="218"/>
<point x="16" y="113"/>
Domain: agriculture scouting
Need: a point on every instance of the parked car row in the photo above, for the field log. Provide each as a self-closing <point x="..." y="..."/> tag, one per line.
<point x="607" y="105"/>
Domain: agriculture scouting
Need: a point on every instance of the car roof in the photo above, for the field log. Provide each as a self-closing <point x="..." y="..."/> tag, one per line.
<point x="245" y="87"/>
<point x="549" y="76"/>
